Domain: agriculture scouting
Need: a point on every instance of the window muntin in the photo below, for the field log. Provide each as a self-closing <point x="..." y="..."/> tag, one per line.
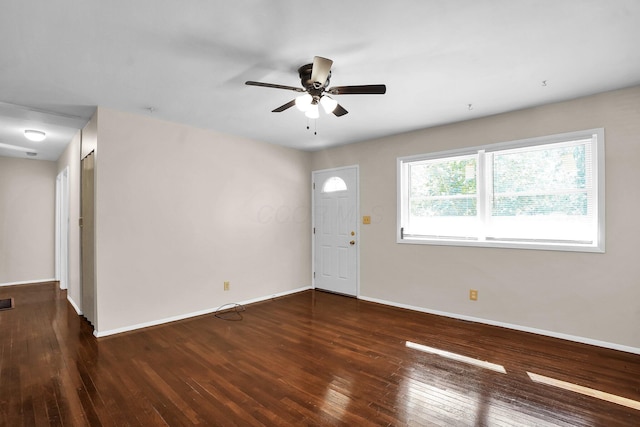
<point x="543" y="193"/>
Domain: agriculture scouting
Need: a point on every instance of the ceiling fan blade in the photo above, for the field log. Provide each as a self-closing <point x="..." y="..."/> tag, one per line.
<point x="321" y="69"/>
<point x="339" y="111"/>
<point x="275" y="86"/>
<point x="284" y="107"/>
<point x="358" y="90"/>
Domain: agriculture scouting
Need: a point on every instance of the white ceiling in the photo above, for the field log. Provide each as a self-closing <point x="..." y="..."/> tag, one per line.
<point x="187" y="61"/>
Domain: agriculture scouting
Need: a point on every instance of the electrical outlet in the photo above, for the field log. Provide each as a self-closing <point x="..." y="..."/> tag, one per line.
<point x="226" y="286"/>
<point x="366" y="219"/>
<point x="473" y="295"/>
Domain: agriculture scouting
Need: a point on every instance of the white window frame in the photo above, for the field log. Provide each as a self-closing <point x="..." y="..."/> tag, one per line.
<point x="598" y="165"/>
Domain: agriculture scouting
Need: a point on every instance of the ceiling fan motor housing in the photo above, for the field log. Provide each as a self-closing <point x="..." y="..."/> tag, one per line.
<point x="314" y="88"/>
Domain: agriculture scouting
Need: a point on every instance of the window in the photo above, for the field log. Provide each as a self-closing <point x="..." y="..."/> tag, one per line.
<point x="333" y="184"/>
<point x="541" y="193"/>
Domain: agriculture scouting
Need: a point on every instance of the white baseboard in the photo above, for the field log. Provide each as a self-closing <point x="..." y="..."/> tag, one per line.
<point x="74" y="305"/>
<point x="100" y="334"/>
<point x="567" y="337"/>
<point x="278" y="295"/>
<point x="29" y="282"/>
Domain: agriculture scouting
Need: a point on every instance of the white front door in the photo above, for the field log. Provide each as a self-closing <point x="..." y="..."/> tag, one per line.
<point x="335" y="199"/>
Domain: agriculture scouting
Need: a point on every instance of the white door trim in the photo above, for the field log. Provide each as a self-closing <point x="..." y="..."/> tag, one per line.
<point x="62" y="228"/>
<point x="313" y="223"/>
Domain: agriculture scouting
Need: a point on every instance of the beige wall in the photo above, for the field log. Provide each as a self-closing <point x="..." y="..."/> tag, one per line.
<point x="592" y="297"/>
<point x="180" y="210"/>
<point x="71" y="158"/>
<point x="27" y="220"/>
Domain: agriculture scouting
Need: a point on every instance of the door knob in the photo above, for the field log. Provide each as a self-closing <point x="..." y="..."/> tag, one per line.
<point x="353" y="242"/>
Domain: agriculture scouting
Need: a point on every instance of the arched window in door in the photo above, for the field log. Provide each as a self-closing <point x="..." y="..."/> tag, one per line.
<point x="334" y="184"/>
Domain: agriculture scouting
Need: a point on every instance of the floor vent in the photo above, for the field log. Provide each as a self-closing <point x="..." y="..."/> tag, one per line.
<point x="6" y="303"/>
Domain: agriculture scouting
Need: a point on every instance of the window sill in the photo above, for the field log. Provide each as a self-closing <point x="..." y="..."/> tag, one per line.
<point x="543" y="246"/>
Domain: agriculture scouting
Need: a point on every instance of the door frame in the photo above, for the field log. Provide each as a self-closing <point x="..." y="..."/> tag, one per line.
<point x="62" y="228"/>
<point x="87" y="248"/>
<point x="313" y="223"/>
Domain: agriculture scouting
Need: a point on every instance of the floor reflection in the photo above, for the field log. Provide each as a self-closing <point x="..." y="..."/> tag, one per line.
<point x="336" y="398"/>
<point x="541" y="379"/>
<point x="433" y="392"/>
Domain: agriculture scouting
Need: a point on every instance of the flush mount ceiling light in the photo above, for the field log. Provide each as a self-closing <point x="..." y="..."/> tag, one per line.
<point x="34" y="135"/>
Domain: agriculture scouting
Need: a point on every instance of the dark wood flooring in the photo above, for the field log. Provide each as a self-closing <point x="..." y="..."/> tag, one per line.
<point x="309" y="359"/>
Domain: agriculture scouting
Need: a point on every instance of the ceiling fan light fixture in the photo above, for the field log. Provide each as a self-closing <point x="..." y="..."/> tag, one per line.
<point x="328" y="104"/>
<point x="303" y="102"/>
<point x="312" y="112"/>
<point x="314" y="79"/>
<point x="34" y="135"/>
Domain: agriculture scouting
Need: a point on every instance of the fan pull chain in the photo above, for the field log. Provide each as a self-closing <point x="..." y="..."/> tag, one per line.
<point x="315" y="126"/>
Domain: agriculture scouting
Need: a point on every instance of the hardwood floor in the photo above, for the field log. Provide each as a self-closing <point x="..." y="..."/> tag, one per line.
<point x="309" y="359"/>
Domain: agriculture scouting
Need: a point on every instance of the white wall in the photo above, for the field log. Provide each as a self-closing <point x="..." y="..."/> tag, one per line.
<point x="71" y="158"/>
<point x="27" y="220"/>
<point x="180" y="210"/>
<point x="591" y="297"/>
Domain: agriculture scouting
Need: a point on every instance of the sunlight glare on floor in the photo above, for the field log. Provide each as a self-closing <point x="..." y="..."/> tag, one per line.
<point x="457" y="357"/>
<point x="630" y="403"/>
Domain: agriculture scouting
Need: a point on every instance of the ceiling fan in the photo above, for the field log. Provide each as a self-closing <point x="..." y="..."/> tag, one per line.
<point x="315" y="80"/>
